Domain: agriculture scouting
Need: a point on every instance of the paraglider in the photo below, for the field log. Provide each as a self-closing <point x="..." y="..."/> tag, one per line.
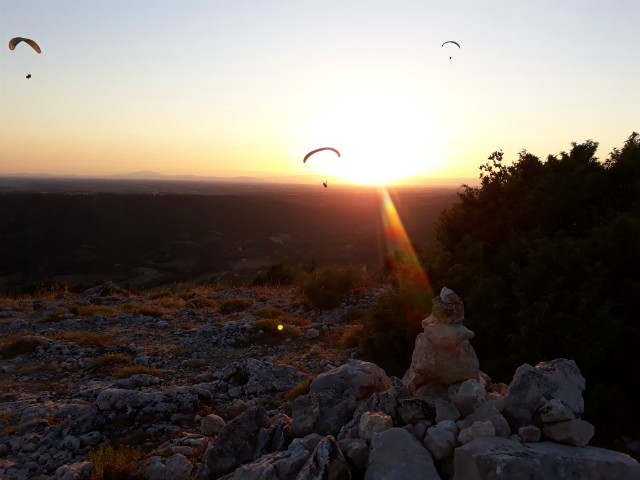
<point x="325" y="184"/>
<point x="319" y="150"/>
<point x="15" y="41"/>
<point x="451" y="41"/>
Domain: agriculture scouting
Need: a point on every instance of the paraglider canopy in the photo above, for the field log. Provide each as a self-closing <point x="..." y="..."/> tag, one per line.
<point x="451" y="41"/>
<point x="319" y="150"/>
<point x="15" y="41"/>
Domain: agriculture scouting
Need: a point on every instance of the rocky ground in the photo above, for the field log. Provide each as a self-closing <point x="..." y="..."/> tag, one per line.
<point x="61" y="351"/>
<point x="255" y="384"/>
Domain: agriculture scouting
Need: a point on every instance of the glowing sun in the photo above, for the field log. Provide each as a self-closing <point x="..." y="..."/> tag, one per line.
<point x="382" y="137"/>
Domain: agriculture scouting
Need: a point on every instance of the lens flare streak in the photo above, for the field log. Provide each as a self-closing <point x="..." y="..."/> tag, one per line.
<point x="400" y="251"/>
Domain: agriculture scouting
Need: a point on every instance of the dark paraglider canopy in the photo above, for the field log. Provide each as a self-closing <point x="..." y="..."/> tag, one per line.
<point x="319" y="150"/>
<point x="451" y="41"/>
<point x="15" y="41"/>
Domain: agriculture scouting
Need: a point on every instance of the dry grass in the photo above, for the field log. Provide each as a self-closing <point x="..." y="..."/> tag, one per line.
<point x="143" y="309"/>
<point x="111" y="359"/>
<point x="124" y="372"/>
<point x="297" y="321"/>
<point x="301" y="388"/>
<point x="115" y="463"/>
<point x="348" y="336"/>
<point x="85" y="338"/>
<point x="55" y="315"/>
<point x="168" y="303"/>
<point x="90" y="310"/>
<point x="7" y="416"/>
<point x="18" y="344"/>
<point x="203" y="303"/>
<point x="267" y="312"/>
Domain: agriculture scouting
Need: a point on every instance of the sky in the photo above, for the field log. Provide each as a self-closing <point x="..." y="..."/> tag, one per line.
<point x="240" y="87"/>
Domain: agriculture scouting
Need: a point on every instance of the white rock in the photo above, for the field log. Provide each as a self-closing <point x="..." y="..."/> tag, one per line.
<point x="478" y="429"/>
<point x="373" y="422"/>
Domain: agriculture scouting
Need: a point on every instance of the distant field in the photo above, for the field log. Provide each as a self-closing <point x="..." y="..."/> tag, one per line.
<point x="172" y="232"/>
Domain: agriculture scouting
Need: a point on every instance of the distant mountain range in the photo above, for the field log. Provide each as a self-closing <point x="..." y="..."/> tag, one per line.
<point x="299" y="179"/>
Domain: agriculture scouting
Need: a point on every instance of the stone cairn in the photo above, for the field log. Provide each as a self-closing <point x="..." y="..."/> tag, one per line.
<point x="444" y="420"/>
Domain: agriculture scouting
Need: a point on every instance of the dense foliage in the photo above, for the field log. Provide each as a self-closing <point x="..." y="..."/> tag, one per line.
<point x="545" y="255"/>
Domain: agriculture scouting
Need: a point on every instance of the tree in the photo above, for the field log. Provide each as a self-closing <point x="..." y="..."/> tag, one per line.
<point x="545" y="256"/>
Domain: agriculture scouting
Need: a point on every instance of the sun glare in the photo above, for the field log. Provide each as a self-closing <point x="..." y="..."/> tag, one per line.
<point x="383" y="137"/>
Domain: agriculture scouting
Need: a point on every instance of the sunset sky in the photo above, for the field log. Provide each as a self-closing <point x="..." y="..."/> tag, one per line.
<point x="238" y="87"/>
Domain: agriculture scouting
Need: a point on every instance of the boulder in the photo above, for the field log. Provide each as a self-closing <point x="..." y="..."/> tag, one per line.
<point x="326" y="463"/>
<point x="495" y="457"/>
<point x="356" y="379"/>
<point x="278" y="465"/>
<point x="397" y="455"/>
<point x="237" y="443"/>
<point x="572" y="432"/>
<point x="373" y="422"/>
<point x="334" y="396"/>
<point x="560" y="379"/>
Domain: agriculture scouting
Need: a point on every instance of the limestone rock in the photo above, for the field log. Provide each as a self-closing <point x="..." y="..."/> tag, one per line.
<point x="468" y="396"/>
<point x="558" y="378"/>
<point x="326" y="463"/>
<point x="480" y="428"/>
<point x="356" y="379"/>
<point x="277" y="465"/>
<point x="212" y="424"/>
<point x="441" y="439"/>
<point x="237" y="443"/>
<point x="529" y="434"/>
<point x="374" y="422"/>
<point x="572" y="432"/>
<point x="486" y="458"/>
<point x="397" y="455"/>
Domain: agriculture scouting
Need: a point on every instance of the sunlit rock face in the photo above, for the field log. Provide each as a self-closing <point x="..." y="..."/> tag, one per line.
<point x="442" y="353"/>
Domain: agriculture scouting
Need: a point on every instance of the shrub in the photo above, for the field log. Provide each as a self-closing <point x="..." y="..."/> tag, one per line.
<point x="268" y="325"/>
<point x="390" y="329"/>
<point x="115" y="463"/>
<point x="202" y="302"/>
<point x="235" y="304"/>
<point x="278" y="274"/>
<point x="325" y="287"/>
<point x="349" y="336"/>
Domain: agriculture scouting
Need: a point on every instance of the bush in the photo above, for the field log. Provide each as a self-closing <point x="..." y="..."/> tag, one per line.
<point x="325" y="287"/>
<point x="278" y="274"/>
<point x="236" y="304"/>
<point x="390" y="329"/>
